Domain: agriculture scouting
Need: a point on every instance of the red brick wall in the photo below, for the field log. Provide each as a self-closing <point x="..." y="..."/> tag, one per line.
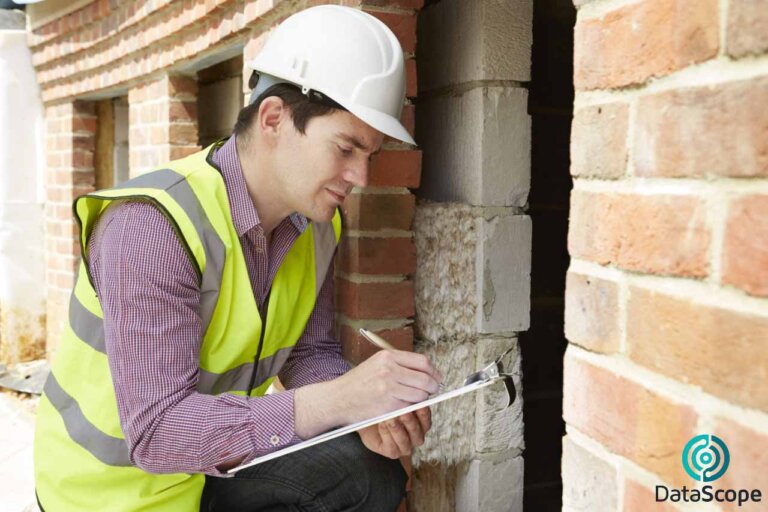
<point x="70" y="142"/>
<point x="667" y="294"/>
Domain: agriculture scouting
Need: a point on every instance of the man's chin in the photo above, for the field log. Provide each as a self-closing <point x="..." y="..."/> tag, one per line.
<point x="325" y="215"/>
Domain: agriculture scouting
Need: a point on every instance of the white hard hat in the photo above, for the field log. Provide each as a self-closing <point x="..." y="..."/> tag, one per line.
<point x="345" y="54"/>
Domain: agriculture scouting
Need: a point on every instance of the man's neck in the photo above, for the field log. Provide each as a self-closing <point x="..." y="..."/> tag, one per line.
<point x="262" y="188"/>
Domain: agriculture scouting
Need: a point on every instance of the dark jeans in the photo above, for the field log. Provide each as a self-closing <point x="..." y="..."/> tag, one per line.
<point x="339" y="475"/>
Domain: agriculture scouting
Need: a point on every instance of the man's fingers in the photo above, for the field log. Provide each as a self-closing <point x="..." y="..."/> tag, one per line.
<point x="417" y="362"/>
<point x="418" y="380"/>
<point x="400" y="436"/>
<point x="424" y="416"/>
<point x="412" y="425"/>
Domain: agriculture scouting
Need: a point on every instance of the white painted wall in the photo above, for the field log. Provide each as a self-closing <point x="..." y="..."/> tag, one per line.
<point x="22" y="195"/>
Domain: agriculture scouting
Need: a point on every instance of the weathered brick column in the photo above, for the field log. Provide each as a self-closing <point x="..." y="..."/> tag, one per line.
<point x="71" y="130"/>
<point x="163" y="121"/>
<point x="667" y="301"/>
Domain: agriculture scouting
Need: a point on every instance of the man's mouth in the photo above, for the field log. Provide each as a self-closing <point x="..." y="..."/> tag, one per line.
<point x="337" y="196"/>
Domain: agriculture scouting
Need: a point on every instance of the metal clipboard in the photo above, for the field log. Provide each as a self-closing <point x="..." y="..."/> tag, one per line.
<point x="491" y="374"/>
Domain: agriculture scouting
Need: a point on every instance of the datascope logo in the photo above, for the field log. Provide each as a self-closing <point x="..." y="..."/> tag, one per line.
<point x="706" y="458"/>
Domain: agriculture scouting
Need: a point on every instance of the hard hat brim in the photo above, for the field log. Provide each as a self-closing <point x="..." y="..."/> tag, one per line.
<point x="384" y="123"/>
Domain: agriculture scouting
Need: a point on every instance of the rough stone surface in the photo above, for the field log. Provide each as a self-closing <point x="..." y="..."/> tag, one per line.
<point x="473" y="271"/>
<point x="499" y="428"/>
<point x="491" y="486"/>
<point x="444" y="283"/>
<point x="590" y="483"/>
<point x="503" y="273"/>
<point x="476" y="147"/>
<point x="462" y="41"/>
<point x="452" y="437"/>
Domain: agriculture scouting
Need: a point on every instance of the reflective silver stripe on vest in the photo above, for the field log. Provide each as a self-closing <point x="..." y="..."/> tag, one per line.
<point x="238" y="379"/>
<point x="86" y="326"/>
<point x="179" y="189"/>
<point x="325" y="245"/>
<point x="112" y="451"/>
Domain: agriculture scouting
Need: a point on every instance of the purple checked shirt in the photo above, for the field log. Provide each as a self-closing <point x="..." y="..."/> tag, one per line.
<point x="148" y="290"/>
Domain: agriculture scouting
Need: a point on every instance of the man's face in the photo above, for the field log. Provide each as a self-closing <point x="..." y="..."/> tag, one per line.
<point x="318" y="169"/>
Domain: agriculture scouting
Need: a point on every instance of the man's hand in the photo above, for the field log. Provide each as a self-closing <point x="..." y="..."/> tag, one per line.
<point x="399" y="436"/>
<point x="386" y="381"/>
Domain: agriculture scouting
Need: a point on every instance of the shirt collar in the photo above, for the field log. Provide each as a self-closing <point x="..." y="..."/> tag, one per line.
<point x="244" y="214"/>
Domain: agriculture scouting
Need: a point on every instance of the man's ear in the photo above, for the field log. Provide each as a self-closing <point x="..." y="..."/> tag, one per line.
<point x="272" y="114"/>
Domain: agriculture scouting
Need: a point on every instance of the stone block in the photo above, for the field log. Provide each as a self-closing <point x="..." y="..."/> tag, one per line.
<point x="462" y="41"/>
<point x="503" y="273"/>
<point x="476" y="147"/>
<point x="452" y="437"/>
<point x="491" y="486"/>
<point x="499" y="428"/>
<point x="472" y="272"/>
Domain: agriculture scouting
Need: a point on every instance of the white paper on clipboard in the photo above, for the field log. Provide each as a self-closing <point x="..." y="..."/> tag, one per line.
<point x="333" y="434"/>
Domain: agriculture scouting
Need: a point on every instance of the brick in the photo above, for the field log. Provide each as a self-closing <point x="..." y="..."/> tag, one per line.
<point x="745" y="253"/>
<point x="379" y="211"/>
<point x="642" y="40"/>
<point x="627" y="418"/>
<point x="403" y="26"/>
<point x="749" y="458"/>
<point x="181" y="85"/>
<point x="747" y="31"/>
<point x="177" y="152"/>
<point x="599" y="141"/>
<point x="661" y="234"/>
<point x="182" y="111"/>
<point x="592" y="312"/>
<point x="404" y="4"/>
<point x="396" y="169"/>
<point x="411" y="89"/>
<point x="408" y="119"/>
<point x="712" y="347"/>
<point x="357" y="349"/>
<point x="589" y="482"/>
<point x="638" y="498"/>
<point x="375" y="300"/>
<point x="378" y="256"/>
<point x="183" y="134"/>
<point x="704" y="131"/>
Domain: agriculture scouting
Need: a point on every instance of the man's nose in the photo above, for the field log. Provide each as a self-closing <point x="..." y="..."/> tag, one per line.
<point x="357" y="173"/>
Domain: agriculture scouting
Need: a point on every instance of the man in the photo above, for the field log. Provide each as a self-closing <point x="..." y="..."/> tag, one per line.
<point x="204" y="280"/>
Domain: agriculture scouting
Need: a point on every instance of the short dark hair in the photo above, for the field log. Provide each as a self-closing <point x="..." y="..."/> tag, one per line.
<point x="302" y="109"/>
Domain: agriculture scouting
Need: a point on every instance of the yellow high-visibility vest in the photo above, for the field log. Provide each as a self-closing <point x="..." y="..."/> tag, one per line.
<point x="81" y="456"/>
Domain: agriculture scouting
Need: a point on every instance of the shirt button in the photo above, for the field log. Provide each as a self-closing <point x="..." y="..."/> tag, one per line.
<point x="275" y="440"/>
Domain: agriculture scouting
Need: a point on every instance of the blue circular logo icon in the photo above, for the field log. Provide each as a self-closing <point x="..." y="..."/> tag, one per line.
<point x="706" y="458"/>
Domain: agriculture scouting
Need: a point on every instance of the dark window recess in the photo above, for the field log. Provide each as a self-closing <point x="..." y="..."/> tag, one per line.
<point x="219" y="99"/>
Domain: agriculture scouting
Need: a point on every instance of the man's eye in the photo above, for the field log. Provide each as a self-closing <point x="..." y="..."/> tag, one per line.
<point x="345" y="151"/>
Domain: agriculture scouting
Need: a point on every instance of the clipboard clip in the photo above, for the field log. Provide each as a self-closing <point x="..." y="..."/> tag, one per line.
<point x="495" y="371"/>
